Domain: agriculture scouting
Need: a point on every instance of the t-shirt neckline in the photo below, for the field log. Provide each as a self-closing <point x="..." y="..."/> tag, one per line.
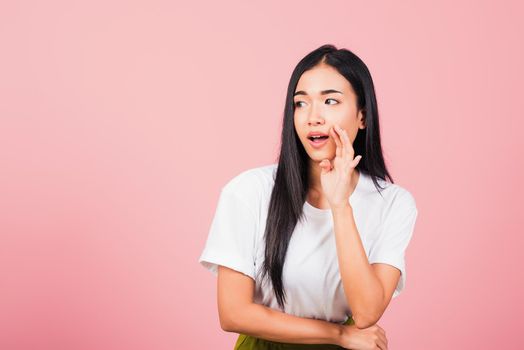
<point x="310" y="209"/>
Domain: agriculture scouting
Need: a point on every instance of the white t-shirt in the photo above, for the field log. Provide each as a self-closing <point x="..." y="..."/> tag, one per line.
<point x="311" y="276"/>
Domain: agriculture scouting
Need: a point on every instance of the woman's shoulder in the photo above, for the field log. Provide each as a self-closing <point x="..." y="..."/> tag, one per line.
<point x="252" y="183"/>
<point x="391" y="194"/>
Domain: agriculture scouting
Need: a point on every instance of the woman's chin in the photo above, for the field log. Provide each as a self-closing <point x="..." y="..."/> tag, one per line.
<point x="320" y="156"/>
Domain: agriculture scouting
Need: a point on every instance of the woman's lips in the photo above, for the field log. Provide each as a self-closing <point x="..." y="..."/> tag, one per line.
<point x="319" y="143"/>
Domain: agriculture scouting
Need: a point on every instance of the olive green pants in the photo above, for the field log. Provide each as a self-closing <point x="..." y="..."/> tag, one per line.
<point x="247" y="342"/>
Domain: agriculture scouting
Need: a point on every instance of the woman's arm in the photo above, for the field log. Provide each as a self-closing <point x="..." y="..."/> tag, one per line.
<point x="368" y="289"/>
<point x="266" y="323"/>
<point x="238" y="313"/>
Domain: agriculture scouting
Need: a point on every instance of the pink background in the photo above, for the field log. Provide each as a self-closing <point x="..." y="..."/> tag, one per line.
<point x="121" y="120"/>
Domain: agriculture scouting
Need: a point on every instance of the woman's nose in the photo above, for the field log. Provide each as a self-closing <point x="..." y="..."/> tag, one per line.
<point x="315" y="116"/>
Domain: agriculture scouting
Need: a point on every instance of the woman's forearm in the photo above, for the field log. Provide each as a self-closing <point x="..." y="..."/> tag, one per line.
<point x="263" y="322"/>
<point x="362" y="287"/>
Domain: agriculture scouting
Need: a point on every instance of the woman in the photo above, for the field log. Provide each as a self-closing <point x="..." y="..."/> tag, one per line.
<point x="310" y="251"/>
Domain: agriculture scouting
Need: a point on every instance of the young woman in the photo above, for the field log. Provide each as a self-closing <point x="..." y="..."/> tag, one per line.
<point x="309" y="251"/>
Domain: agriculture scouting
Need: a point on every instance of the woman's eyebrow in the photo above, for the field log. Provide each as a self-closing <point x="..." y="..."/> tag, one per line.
<point x="323" y="92"/>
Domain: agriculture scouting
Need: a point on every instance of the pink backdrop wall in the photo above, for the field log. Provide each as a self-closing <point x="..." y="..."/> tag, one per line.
<point x="121" y="120"/>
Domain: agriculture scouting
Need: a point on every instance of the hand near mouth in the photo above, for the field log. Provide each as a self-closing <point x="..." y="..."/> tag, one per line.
<point x="336" y="178"/>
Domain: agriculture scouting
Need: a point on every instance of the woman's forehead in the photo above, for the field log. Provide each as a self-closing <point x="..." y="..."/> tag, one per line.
<point x="323" y="78"/>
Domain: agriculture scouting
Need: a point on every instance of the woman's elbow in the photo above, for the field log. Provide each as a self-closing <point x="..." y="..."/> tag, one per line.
<point x="228" y="322"/>
<point x="226" y="327"/>
<point x="233" y="319"/>
<point x="365" y="321"/>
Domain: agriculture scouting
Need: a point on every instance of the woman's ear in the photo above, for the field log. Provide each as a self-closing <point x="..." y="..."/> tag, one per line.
<point x="362" y="119"/>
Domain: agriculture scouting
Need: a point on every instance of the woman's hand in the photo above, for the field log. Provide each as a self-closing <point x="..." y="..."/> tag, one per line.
<point x="371" y="338"/>
<point x="335" y="178"/>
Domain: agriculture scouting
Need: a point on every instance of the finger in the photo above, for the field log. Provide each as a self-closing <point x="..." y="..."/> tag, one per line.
<point x="348" y="149"/>
<point x="382" y="336"/>
<point x="341" y="139"/>
<point x="325" y="165"/>
<point x="349" y="146"/>
<point x="346" y="157"/>
<point x="382" y="345"/>
<point x="337" y="142"/>
<point x="356" y="161"/>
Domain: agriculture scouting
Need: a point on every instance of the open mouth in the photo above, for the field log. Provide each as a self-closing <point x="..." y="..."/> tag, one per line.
<point x="318" y="142"/>
<point x="318" y="139"/>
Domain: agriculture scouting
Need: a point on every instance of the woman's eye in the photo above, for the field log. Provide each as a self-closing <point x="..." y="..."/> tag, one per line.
<point x="297" y="104"/>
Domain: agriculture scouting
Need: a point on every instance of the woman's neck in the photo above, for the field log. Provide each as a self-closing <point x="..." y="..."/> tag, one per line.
<point x="314" y="177"/>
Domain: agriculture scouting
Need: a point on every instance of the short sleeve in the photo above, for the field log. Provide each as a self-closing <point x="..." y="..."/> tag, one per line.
<point x="231" y="239"/>
<point x="396" y="233"/>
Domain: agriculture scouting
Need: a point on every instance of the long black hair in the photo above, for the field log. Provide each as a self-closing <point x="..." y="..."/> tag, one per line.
<point x="292" y="179"/>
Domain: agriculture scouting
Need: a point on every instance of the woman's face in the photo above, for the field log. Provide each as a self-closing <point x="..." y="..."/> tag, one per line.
<point x="324" y="98"/>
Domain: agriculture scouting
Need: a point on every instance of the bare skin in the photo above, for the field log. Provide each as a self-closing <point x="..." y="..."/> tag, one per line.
<point x="321" y="112"/>
<point x="237" y="311"/>
<point x="239" y="314"/>
<point x="325" y="101"/>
